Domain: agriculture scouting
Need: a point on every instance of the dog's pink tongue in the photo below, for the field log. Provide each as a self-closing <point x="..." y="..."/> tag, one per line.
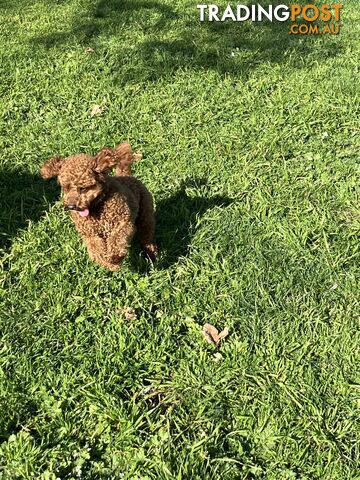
<point x="84" y="213"/>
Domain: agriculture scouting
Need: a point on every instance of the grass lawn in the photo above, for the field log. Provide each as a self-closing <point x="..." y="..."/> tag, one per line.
<point x="250" y="144"/>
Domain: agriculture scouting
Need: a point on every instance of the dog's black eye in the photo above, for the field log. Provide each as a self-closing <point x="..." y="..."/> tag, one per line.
<point x="83" y="189"/>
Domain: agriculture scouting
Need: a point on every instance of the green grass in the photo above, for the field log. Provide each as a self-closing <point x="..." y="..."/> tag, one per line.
<point x="250" y="144"/>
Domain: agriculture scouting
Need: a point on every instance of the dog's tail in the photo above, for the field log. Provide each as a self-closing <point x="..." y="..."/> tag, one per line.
<point x="125" y="157"/>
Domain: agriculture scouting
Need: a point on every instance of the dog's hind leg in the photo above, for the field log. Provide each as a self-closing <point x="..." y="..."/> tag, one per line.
<point x="145" y="224"/>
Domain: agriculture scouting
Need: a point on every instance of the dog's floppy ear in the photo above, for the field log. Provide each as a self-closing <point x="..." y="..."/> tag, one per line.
<point x="104" y="160"/>
<point x="51" y="167"/>
<point x="107" y="158"/>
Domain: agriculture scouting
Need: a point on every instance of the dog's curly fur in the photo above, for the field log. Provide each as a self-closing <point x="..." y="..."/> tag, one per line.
<point x="107" y="210"/>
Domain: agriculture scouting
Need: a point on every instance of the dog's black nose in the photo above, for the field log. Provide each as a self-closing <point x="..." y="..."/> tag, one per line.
<point x="70" y="207"/>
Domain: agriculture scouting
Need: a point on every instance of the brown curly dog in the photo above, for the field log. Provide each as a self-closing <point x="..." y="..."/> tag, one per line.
<point x="107" y="210"/>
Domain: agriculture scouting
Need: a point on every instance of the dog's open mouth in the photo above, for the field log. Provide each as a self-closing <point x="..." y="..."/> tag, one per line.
<point x="84" y="213"/>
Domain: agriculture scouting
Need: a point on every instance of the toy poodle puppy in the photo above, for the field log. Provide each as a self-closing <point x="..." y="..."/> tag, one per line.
<point x="107" y="210"/>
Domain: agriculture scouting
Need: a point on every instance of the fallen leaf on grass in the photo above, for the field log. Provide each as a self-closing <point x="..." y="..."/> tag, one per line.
<point x="212" y="334"/>
<point x="97" y="110"/>
<point x="129" y="313"/>
<point x="224" y="333"/>
<point x="89" y="50"/>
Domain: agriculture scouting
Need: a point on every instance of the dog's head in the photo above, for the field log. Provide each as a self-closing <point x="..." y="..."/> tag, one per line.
<point x="82" y="177"/>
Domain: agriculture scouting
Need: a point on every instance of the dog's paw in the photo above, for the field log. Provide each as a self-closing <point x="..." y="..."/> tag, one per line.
<point x="151" y="251"/>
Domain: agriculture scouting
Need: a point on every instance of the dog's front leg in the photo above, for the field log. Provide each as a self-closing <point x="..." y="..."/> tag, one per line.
<point x="97" y="250"/>
<point x="118" y="243"/>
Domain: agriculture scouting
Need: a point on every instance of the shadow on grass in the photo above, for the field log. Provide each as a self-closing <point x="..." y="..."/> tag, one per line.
<point x="154" y="40"/>
<point x="22" y="198"/>
<point x="177" y="218"/>
<point x="14" y="416"/>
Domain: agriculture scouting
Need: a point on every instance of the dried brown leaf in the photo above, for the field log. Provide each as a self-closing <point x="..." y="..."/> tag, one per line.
<point x="224" y="333"/>
<point x="212" y="334"/>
